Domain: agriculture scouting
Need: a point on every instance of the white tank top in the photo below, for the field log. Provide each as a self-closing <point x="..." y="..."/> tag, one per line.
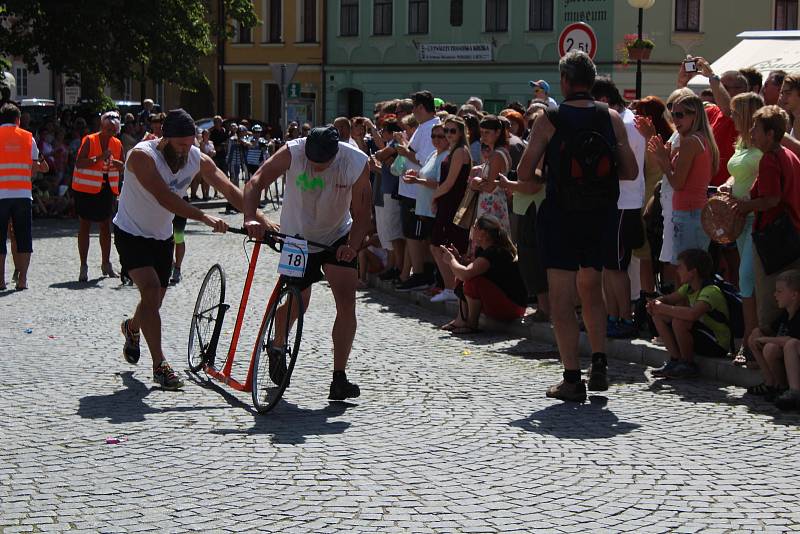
<point x="316" y="206"/>
<point x="139" y="212"/>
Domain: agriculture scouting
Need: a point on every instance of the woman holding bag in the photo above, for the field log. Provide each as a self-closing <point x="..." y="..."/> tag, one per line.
<point x="492" y="200"/>
<point x="775" y="199"/>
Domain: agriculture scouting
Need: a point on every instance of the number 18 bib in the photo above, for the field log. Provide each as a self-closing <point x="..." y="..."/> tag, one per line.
<point x="293" y="257"/>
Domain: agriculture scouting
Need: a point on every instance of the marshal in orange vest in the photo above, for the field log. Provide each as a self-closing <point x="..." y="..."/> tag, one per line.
<point x="90" y="179"/>
<point x="15" y="162"/>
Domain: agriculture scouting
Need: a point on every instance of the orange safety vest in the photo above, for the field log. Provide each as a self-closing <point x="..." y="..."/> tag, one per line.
<point x="90" y="179"/>
<point x="15" y="161"/>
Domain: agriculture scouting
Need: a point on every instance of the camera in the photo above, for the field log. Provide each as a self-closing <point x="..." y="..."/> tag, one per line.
<point x="690" y="65"/>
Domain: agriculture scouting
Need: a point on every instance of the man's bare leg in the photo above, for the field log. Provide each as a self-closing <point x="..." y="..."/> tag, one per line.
<point x="147" y="317"/>
<point x="343" y="282"/>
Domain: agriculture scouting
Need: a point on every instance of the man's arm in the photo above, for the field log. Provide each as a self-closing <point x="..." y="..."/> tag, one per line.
<point x="628" y="169"/>
<point x="721" y="97"/>
<point x="269" y="171"/>
<point x="791" y="143"/>
<point x="361" y="210"/>
<point x="145" y="170"/>
<point x="540" y="136"/>
<point x="214" y="177"/>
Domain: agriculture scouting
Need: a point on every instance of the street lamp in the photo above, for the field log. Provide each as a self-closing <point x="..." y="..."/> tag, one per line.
<point x="641" y="5"/>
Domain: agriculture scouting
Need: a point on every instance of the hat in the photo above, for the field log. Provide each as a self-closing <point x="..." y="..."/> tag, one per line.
<point x="438" y="102"/>
<point x="178" y="123"/>
<point x="322" y="144"/>
<point x="541" y="84"/>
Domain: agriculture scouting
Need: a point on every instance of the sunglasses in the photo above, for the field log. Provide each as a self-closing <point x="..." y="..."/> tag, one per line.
<point x="451" y="130"/>
<point x="437" y="136"/>
<point x="681" y="114"/>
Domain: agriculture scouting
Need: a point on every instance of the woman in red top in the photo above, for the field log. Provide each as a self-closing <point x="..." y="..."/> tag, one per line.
<point x="689" y="171"/>
<point x="775" y="189"/>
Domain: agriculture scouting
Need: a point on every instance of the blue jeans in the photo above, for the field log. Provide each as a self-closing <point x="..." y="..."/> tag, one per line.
<point x="747" y="276"/>
<point x="688" y="232"/>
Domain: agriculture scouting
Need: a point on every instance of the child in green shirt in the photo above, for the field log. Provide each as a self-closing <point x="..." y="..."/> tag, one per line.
<point x="684" y="318"/>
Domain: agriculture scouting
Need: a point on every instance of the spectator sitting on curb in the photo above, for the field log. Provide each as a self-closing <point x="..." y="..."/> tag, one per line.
<point x="684" y="318"/>
<point x="783" y="345"/>
<point x="492" y="283"/>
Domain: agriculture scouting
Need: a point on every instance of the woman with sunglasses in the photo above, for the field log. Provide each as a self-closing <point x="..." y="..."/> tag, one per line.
<point x="492" y="200"/>
<point x="447" y="197"/>
<point x="689" y="172"/>
<point x="492" y="284"/>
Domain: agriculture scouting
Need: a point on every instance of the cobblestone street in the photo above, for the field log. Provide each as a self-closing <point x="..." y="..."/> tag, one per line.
<point x="449" y="435"/>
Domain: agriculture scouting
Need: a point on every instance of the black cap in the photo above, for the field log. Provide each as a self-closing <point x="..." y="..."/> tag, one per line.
<point x="178" y="123"/>
<point x="322" y="144"/>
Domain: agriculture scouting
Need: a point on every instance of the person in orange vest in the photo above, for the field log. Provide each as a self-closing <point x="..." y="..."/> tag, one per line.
<point x="95" y="183"/>
<point x="18" y="161"/>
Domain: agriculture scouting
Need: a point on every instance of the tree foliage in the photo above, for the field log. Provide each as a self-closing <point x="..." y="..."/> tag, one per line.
<point x="110" y="40"/>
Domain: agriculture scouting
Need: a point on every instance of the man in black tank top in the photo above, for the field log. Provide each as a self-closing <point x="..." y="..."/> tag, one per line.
<point x="571" y="233"/>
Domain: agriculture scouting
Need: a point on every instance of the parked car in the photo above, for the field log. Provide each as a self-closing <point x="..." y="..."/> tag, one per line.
<point x="41" y="111"/>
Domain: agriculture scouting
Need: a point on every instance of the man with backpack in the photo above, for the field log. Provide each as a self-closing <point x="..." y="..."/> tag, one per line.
<point x="694" y="319"/>
<point x="586" y="152"/>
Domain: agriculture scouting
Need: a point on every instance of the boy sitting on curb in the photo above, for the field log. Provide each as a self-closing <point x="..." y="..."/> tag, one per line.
<point x="779" y="356"/>
<point x="684" y="318"/>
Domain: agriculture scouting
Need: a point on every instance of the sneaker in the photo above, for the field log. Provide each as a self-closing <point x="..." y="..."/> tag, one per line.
<point x="277" y="364"/>
<point x="389" y="275"/>
<point x="598" y="377"/>
<point x="775" y="393"/>
<point x="568" y="392"/>
<point x="166" y="377"/>
<point x="789" y="400"/>
<point x="665" y="369"/>
<point x="623" y="330"/>
<point x="342" y="389"/>
<point x="611" y="327"/>
<point x="130" y="351"/>
<point x="415" y="282"/>
<point x="176" y="276"/>
<point x="683" y="370"/>
<point x="446" y="295"/>
<point x="83" y="275"/>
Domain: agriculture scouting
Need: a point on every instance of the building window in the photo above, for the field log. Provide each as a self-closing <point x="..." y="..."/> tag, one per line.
<point x="243" y="33"/>
<point x="687" y="15"/>
<point x="22" y="82"/>
<point x="241" y="93"/>
<point x="275" y="21"/>
<point x="417" y="16"/>
<point x="785" y="14"/>
<point x="456" y="12"/>
<point x="540" y="16"/>
<point x="348" y="18"/>
<point x="127" y="89"/>
<point x="496" y="15"/>
<point x="382" y="17"/>
<point x="160" y="94"/>
<point x="309" y="21"/>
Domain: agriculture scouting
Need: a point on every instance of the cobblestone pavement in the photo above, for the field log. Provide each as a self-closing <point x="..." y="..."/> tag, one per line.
<point x="449" y="435"/>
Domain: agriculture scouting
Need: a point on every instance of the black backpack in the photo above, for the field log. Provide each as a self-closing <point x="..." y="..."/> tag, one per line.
<point x="587" y="178"/>
<point x="735" y="319"/>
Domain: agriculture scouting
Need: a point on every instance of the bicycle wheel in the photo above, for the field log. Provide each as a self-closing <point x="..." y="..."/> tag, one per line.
<point x="272" y="366"/>
<point x="207" y="311"/>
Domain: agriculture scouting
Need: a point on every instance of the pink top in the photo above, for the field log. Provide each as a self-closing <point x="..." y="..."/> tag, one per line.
<point x="694" y="194"/>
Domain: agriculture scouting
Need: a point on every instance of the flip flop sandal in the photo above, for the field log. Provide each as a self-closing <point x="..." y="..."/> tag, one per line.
<point x="760" y="389"/>
<point x="448" y="327"/>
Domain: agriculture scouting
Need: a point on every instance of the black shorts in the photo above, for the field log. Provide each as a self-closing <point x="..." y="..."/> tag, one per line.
<point x="17" y="211"/>
<point x="705" y="343"/>
<point x="572" y="240"/>
<point x="314" y="265"/>
<point x="136" y="252"/>
<point x="96" y="207"/>
<point x="415" y="226"/>
<point x="627" y="235"/>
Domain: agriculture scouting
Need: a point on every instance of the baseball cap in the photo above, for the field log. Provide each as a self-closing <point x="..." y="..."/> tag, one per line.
<point x="322" y="144"/>
<point x="541" y="84"/>
<point x="438" y="102"/>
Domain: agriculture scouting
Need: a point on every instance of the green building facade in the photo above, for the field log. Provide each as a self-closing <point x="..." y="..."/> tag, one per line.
<point x="382" y="49"/>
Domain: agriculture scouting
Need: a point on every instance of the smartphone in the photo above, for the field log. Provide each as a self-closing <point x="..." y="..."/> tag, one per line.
<point x="690" y="65"/>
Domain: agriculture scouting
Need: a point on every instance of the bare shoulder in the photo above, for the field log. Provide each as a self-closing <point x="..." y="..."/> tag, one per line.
<point x="139" y="160"/>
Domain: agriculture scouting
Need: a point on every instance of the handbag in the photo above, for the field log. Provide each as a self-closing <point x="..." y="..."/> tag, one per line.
<point x="398" y="167"/>
<point x="778" y="244"/>
<point x="467" y="209"/>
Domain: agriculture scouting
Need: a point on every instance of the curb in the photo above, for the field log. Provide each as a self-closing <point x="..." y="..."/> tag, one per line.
<point x="635" y="350"/>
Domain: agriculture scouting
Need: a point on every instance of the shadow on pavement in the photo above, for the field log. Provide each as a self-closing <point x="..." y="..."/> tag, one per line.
<point x="571" y="420"/>
<point x="127" y="405"/>
<point x="714" y="393"/>
<point x="74" y="284"/>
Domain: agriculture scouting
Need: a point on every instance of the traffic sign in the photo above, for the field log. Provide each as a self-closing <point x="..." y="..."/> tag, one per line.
<point x="293" y="90"/>
<point x="577" y="36"/>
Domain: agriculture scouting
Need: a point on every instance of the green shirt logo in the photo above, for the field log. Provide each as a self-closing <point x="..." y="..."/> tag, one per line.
<point x="305" y="183"/>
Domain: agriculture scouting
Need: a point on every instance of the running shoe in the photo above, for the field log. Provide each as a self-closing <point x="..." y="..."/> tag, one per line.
<point x="277" y="364"/>
<point x="598" y="377"/>
<point x="664" y="370"/>
<point x="788" y="400"/>
<point x="566" y="391"/>
<point x="166" y="377"/>
<point x="415" y="282"/>
<point x="130" y="351"/>
<point x="108" y="270"/>
<point x="683" y="370"/>
<point x="176" y="276"/>
<point x="446" y="295"/>
<point x="341" y="388"/>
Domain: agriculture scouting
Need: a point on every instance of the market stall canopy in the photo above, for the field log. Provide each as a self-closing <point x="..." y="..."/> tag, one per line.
<point x="765" y="51"/>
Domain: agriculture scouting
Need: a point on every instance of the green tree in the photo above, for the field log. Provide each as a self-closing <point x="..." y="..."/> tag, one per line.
<point x="106" y="41"/>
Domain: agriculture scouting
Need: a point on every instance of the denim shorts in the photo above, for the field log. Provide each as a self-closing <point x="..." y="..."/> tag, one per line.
<point x="687" y="232"/>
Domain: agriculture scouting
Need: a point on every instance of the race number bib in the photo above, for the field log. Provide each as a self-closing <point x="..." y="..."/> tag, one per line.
<point x="293" y="257"/>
